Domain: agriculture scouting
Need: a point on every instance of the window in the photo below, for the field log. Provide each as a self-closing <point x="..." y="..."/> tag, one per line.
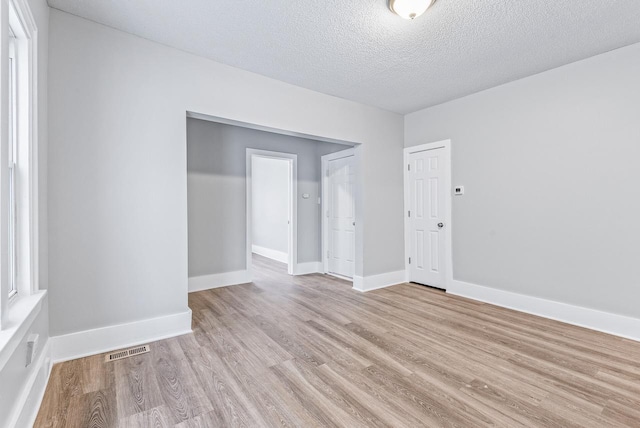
<point x="12" y="154"/>
<point x="18" y="158"/>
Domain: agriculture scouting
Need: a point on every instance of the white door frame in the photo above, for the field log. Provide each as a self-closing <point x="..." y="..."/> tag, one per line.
<point x="446" y="145"/>
<point x="293" y="205"/>
<point x="325" y="203"/>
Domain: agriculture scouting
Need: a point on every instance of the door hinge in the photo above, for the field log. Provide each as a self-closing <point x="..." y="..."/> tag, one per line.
<point x="409" y="167"/>
<point x="409" y="260"/>
<point x="408" y="213"/>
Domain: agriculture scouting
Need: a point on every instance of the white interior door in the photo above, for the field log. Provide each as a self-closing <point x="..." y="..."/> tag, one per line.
<point x="341" y="213"/>
<point x="427" y="215"/>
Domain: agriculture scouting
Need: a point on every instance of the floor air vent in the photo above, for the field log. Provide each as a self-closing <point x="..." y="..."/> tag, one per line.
<point x="127" y="353"/>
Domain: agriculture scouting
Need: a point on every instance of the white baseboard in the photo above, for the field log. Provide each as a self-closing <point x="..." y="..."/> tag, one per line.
<point x="276" y="255"/>
<point x="374" y="282"/>
<point x="28" y="403"/>
<point x="105" y="339"/>
<point x="606" y="322"/>
<point x="307" y="268"/>
<point x="216" y="280"/>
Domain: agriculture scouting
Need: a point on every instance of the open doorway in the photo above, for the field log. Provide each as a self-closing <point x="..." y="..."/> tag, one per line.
<point x="221" y="214"/>
<point x="271" y="206"/>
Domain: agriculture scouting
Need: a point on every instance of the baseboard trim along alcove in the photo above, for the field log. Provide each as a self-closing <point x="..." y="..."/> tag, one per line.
<point x="90" y="342"/>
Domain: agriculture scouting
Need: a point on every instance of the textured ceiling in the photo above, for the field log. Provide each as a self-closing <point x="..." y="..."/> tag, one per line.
<point x="359" y="50"/>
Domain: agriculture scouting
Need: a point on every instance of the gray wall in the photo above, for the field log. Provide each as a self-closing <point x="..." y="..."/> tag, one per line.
<point x="216" y="165"/>
<point x="270" y="203"/>
<point x="117" y="167"/>
<point x="550" y="169"/>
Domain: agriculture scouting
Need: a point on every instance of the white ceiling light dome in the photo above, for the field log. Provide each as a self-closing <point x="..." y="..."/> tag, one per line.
<point x="410" y="9"/>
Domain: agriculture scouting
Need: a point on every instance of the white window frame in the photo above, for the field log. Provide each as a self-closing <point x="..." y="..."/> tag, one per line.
<point x="11" y="158"/>
<point x="18" y="160"/>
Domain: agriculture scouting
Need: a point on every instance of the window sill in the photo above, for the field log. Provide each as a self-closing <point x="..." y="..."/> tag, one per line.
<point x="22" y="312"/>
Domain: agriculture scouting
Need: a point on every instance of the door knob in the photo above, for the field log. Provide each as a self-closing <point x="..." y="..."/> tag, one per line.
<point x="440" y="225"/>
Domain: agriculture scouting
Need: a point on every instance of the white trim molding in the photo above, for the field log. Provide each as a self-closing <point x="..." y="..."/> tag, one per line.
<point x="374" y="282"/>
<point x="606" y="322"/>
<point x="27" y="201"/>
<point x="279" y="256"/>
<point x="23" y="314"/>
<point x="91" y="342"/>
<point x="307" y="268"/>
<point x="26" y="411"/>
<point x="217" y="280"/>
<point x="16" y="16"/>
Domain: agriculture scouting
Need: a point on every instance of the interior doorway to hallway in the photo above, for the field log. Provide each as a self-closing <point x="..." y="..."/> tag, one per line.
<point x="222" y="228"/>
<point x="272" y="206"/>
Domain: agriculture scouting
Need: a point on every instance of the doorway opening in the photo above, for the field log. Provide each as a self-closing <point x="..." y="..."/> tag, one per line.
<point x="271" y="206"/>
<point x="225" y="238"/>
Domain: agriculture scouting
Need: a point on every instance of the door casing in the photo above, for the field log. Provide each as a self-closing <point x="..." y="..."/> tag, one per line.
<point x="448" y="259"/>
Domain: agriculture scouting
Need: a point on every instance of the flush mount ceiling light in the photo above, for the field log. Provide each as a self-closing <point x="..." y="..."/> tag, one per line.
<point x="410" y="9"/>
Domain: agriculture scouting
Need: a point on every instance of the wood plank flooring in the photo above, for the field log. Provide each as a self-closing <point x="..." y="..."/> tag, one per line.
<point x="309" y="351"/>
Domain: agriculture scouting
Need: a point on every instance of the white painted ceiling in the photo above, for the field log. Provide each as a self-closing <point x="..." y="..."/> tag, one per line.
<point x="359" y="50"/>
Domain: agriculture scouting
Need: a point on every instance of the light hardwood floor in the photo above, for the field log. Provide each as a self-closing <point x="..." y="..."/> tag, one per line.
<point x="309" y="351"/>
